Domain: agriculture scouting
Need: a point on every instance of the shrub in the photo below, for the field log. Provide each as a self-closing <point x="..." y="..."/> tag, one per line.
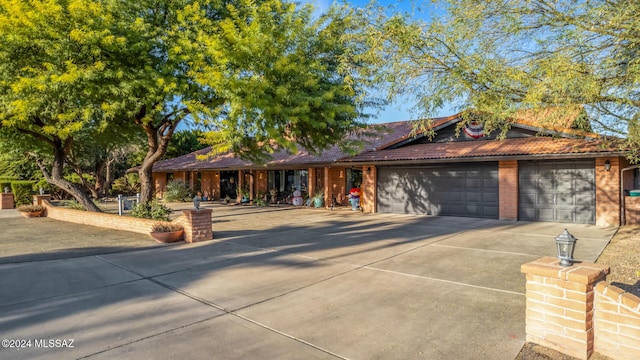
<point x="151" y="210"/>
<point x="30" y="208"/>
<point x="177" y="191"/>
<point x="22" y="190"/>
<point x="166" y="227"/>
<point x="73" y="204"/>
<point x="5" y="184"/>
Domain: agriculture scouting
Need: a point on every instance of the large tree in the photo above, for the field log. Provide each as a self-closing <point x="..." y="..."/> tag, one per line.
<point x="502" y="56"/>
<point x="253" y="70"/>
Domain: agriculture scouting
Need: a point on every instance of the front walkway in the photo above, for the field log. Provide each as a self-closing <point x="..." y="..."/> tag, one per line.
<point x="288" y="283"/>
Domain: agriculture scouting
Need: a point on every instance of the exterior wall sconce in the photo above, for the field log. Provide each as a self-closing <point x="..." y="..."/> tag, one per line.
<point x="260" y="175"/>
<point x="565" y="243"/>
<point x="607" y="165"/>
<point x="368" y="170"/>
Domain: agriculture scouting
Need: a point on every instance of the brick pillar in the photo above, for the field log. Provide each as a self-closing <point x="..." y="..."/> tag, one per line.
<point x="197" y="225"/>
<point x="608" y="192"/>
<point x="37" y="199"/>
<point x="508" y="190"/>
<point x="7" y="201"/>
<point x="560" y="305"/>
<point x="369" y="189"/>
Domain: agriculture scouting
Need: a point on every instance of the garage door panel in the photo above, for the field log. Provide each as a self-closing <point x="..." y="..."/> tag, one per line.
<point x="561" y="191"/>
<point x="457" y="190"/>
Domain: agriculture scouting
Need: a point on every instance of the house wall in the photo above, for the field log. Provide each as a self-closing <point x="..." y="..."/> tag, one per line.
<point x="335" y="185"/>
<point x="261" y="182"/>
<point x="508" y="190"/>
<point x="160" y="184"/>
<point x="206" y="184"/>
<point x="608" y="192"/>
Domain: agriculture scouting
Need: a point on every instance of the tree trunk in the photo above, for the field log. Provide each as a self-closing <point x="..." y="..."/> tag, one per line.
<point x="100" y="188"/>
<point x="56" y="178"/>
<point x="157" y="141"/>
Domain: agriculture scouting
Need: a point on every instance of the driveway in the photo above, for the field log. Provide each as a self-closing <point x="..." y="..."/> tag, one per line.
<point x="284" y="283"/>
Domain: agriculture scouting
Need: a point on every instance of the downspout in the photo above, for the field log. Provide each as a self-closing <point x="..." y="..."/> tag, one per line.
<point x="622" y="206"/>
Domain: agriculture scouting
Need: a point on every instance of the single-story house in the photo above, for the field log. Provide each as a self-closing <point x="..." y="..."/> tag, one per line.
<point x="533" y="174"/>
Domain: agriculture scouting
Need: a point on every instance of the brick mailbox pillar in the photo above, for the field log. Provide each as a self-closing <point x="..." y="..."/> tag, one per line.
<point x="7" y="201"/>
<point x="197" y="225"/>
<point x="560" y="305"/>
<point x="37" y="199"/>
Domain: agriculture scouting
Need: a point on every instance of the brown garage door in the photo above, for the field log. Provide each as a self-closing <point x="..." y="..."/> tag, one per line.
<point x="559" y="191"/>
<point x="452" y="190"/>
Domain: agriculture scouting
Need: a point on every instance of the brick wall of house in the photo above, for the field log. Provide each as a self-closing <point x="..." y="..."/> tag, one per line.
<point x="7" y="201"/>
<point x="335" y="185"/>
<point x="508" y="189"/>
<point x="616" y="322"/>
<point x="160" y="184"/>
<point x="261" y="182"/>
<point x="608" y="192"/>
<point x="313" y="176"/>
<point x="368" y="202"/>
<point x="180" y="175"/>
<point x="206" y="184"/>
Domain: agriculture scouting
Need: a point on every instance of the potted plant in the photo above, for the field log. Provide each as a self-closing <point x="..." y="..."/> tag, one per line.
<point x="318" y="199"/>
<point x="166" y="232"/>
<point x="30" y="211"/>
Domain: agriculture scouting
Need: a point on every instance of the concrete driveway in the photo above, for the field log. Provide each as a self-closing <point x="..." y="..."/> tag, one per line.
<point x="283" y="283"/>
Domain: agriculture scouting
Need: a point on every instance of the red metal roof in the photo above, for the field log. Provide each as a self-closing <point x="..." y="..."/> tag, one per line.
<point x="486" y="148"/>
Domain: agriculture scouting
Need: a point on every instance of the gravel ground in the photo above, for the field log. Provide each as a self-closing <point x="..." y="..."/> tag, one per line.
<point x="623" y="255"/>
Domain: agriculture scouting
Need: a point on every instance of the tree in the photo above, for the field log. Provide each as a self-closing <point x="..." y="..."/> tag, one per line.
<point x="184" y="142"/>
<point x="500" y="57"/>
<point x="70" y="69"/>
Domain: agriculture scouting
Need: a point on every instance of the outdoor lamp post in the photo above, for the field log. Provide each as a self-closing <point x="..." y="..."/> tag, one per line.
<point x="566" y="244"/>
<point x="196" y="202"/>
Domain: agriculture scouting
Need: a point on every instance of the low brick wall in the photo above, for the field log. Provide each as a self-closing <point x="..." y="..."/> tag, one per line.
<point x="632" y="210"/>
<point x="575" y="311"/>
<point x="616" y="322"/>
<point x="109" y="221"/>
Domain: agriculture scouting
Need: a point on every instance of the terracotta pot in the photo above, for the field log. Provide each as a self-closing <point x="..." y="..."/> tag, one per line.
<point x="167" y="237"/>
<point x="31" y="214"/>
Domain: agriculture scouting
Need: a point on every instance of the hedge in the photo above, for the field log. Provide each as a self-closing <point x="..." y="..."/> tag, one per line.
<point x="22" y="190"/>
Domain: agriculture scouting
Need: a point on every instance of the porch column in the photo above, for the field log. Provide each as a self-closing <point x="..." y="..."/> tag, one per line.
<point x="508" y="190"/>
<point x="368" y="202"/>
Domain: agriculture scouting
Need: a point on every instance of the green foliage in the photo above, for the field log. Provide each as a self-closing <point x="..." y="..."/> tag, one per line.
<point x="5" y="184"/>
<point x="151" y="210"/>
<point x="72" y="204"/>
<point x="177" y="191"/>
<point x="501" y="57"/>
<point x="184" y="142"/>
<point x="22" y="191"/>
<point x="129" y="184"/>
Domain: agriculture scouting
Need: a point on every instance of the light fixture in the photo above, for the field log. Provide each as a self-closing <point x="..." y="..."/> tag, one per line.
<point x="196" y="202"/>
<point x="368" y="170"/>
<point x="565" y="243"/>
<point x="607" y="165"/>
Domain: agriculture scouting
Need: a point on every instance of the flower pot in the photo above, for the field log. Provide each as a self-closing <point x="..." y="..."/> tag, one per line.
<point x="31" y="214"/>
<point x="167" y="237"/>
<point x="317" y="202"/>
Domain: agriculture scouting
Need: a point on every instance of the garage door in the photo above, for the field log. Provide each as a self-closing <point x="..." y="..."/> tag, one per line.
<point x="557" y="191"/>
<point x="453" y="190"/>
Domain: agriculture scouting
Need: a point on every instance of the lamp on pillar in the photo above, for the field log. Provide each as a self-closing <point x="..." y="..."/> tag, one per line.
<point x="196" y="202"/>
<point x="565" y="243"/>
